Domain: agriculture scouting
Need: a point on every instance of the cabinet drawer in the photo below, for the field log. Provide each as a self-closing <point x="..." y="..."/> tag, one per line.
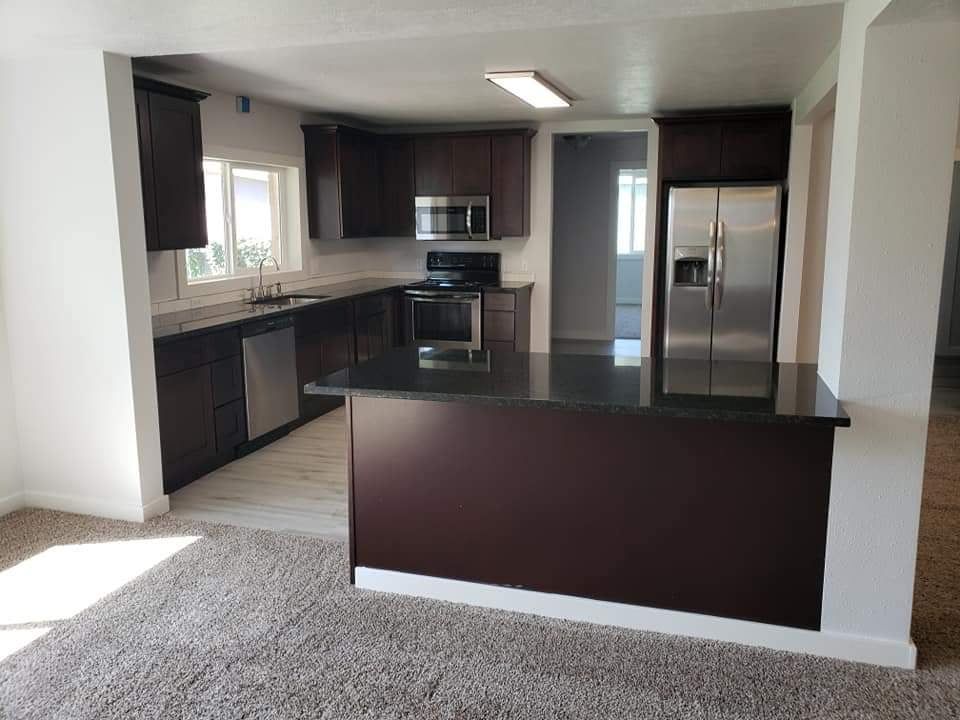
<point x="231" y="424"/>
<point x="227" y="380"/>
<point x="181" y="355"/>
<point x="498" y="326"/>
<point x="499" y="301"/>
<point x="498" y="345"/>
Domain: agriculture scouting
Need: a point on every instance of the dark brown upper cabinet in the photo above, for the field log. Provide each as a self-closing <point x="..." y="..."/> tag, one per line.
<point x="510" y="185"/>
<point x="361" y="184"/>
<point x="433" y="159"/>
<point x="396" y="186"/>
<point x="452" y="164"/>
<point x="731" y="146"/>
<point x="471" y="165"/>
<point x="171" y="165"/>
<point x="343" y="182"/>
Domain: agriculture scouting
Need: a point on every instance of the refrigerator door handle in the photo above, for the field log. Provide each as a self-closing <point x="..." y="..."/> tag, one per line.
<point x="721" y="253"/>
<point x="711" y="253"/>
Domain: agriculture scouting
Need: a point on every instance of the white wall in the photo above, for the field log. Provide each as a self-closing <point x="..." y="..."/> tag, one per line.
<point x="815" y="100"/>
<point x="818" y="196"/>
<point x="74" y="281"/>
<point x="630" y="279"/>
<point x="896" y="120"/>
<point x="583" y="274"/>
<point x="11" y="487"/>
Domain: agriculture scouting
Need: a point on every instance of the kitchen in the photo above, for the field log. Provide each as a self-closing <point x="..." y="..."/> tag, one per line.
<point x="235" y="378"/>
<point x="321" y="275"/>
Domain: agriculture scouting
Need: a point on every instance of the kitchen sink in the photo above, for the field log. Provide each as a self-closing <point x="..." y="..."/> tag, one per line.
<point x="291" y="300"/>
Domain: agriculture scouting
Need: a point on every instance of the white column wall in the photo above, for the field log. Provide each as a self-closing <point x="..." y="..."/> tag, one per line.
<point x="75" y="290"/>
<point x="896" y="119"/>
<point x="11" y="487"/>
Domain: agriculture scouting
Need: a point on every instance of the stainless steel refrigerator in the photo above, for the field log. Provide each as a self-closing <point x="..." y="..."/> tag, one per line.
<point x="721" y="277"/>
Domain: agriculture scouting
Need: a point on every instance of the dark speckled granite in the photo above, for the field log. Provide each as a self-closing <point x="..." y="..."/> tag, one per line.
<point x="174" y="326"/>
<point x="745" y="392"/>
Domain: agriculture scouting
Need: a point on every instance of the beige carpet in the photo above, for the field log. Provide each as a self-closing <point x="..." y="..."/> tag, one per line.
<point x="253" y="624"/>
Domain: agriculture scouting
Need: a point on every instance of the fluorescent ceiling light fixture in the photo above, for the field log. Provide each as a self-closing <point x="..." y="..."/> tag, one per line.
<point x="530" y="87"/>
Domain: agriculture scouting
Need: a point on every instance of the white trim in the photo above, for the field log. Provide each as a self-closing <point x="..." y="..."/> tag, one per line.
<point x="592" y="334"/>
<point x="875" y="651"/>
<point x="98" y="507"/>
<point x="10" y="503"/>
<point x="791" y="298"/>
<point x="294" y="215"/>
<point x="160" y="506"/>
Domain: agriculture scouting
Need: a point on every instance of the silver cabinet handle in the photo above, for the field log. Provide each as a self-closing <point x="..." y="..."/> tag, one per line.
<point x="721" y="255"/>
<point x="470" y="220"/>
<point x="711" y="253"/>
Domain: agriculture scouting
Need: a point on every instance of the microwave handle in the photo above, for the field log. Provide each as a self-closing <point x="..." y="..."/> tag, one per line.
<point x="470" y="220"/>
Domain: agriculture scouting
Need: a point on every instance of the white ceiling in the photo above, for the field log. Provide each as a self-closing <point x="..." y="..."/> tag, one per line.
<point x="418" y="61"/>
<point x="611" y="70"/>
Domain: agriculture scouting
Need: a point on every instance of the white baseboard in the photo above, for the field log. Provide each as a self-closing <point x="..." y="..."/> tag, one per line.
<point x="156" y="507"/>
<point x="99" y="507"/>
<point x="875" y="651"/>
<point x="9" y="503"/>
<point x="589" y="335"/>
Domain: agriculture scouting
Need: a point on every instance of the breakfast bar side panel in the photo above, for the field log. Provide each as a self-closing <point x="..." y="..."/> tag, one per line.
<point x="718" y="517"/>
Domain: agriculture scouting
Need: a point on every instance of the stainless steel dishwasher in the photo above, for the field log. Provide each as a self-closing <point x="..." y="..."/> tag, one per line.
<point x="270" y="375"/>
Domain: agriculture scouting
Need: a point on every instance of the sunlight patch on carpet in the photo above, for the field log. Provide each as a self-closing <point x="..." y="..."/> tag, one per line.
<point x="63" y="580"/>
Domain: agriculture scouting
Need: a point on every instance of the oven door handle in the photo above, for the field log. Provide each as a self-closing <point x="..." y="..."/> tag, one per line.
<point x="420" y="296"/>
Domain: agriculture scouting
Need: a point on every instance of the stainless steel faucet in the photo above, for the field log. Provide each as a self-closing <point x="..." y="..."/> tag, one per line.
<point x="260" y="291"/>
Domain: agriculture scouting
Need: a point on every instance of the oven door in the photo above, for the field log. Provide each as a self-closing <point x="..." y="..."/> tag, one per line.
<point x="443" y="320"/>
<point x="461" y="217"/>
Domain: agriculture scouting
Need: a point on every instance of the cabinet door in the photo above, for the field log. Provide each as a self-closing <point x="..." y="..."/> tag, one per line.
<point x="471" y="165"/>
<point x="375" y="326"/>
<point x="690" y="150"/>
<point x="338" y="347"/>
<point x="359" y="184"/>
<point x="510" y="186"/>
<point x="755" y="148"/>
<point x="177" y="157"/>
<point x="188" y="441"/>
<point x="323" y="187"/>
<point x="142" y="105"/>
<point x="433" y="161"/>
<point x="397" y="187"/>
<point x="231" y="424"/>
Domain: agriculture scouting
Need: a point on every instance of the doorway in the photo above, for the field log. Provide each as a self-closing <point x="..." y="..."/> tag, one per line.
<point x="599" y="236"/>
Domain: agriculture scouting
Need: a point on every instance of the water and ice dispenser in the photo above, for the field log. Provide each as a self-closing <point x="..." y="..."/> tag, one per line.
<point x="690" y="266"/>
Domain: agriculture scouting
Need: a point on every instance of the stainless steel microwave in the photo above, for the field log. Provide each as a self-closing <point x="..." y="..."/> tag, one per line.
<point x="453" y="217"/>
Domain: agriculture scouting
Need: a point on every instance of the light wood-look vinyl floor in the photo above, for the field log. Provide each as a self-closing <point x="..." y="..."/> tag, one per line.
<point x="296" y="484"/>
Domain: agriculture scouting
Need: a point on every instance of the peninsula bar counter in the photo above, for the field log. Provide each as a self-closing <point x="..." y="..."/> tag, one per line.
<point x="680" y="485"/>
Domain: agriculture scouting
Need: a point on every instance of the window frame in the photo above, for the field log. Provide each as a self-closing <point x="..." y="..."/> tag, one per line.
<point x="292" y="218"/>
<point x="637" y="241"/>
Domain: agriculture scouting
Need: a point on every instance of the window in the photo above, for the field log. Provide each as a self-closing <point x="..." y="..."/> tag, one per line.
<point x="631" y="211"/>
<point x="246" y="206"/>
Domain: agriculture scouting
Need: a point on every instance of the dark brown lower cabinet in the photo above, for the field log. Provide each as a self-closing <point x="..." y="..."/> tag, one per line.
<point x="506" y="319"/>
<point x="325" y="344"/>
<point x="375" y="324"/>
<point x="200" y="404"/>
<point x="188" y="437"/>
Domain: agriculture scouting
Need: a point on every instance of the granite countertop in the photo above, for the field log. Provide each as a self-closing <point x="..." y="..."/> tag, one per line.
<point x="514" y="285"/>
<point x="173" y="326"/>
<point x="731" y="391"/>
<point x="176" y="325"/>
